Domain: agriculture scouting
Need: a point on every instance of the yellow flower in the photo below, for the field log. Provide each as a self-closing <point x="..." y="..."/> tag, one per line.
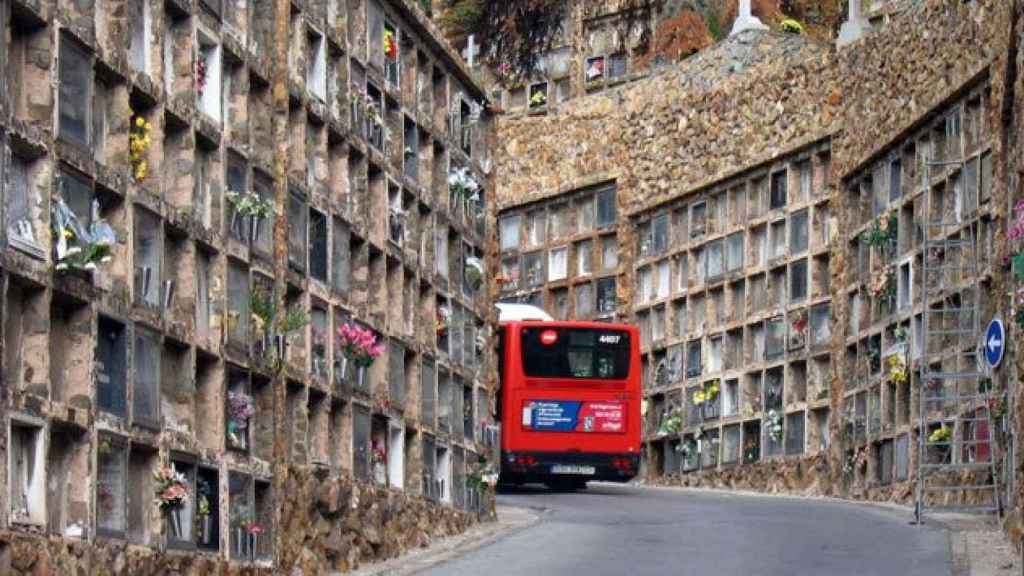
<point x="792" y="26"/>
<point x="140" y="121"/>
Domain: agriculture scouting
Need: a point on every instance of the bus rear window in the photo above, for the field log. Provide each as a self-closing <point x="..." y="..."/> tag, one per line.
<point x="575" y="353"/>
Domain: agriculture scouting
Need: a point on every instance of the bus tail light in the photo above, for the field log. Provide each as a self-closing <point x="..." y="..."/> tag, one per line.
<point x="622" y="464"/>
<point x="526" y="460"/>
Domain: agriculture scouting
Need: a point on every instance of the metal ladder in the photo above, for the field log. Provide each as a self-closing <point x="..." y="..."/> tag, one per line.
<point x="953" y="474"/>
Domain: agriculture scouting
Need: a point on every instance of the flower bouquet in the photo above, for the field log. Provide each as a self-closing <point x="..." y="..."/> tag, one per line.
<point x="390" y="45"/>
<point x="138" y="145"/>
<point x="378" y="457"/>
<point x="773" y="425"/>
<point x="240" y="410"/>
<point x="462" y="183"/>
<point x="359" y="345"/>
<point x="171" y="495"/>
<point x="474" y="273"/>
<point x="78" y="247"/>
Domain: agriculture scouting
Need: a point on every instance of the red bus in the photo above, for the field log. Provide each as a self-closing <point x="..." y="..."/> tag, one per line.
<point x="569" y="402"/>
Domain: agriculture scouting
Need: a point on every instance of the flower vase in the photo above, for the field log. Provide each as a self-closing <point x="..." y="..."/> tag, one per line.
<point x="254" y="544"/>
<point x="254" y="230"/>
<point x="379" y="473"/>
<point x="206" y="525"/>
<point x="174" y="522"/>
<point x="342" y="368"/>
<point x="241" y="541"/>
<point x="361" y="376"/>
<point x="939" y="455"/>
<point x="233" y="227"/>
<point x="237" y="434"/>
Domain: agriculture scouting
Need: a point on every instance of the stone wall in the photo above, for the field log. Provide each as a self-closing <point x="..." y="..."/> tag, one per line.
<point x="739" y="103"/>
<point x="328" y="524"/>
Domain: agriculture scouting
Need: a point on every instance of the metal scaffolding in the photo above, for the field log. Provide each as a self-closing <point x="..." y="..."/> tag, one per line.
<point x="956" y="459"/>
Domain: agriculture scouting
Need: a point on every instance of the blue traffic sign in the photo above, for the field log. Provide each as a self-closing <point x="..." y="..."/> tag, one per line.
<point x="995" y="342"/>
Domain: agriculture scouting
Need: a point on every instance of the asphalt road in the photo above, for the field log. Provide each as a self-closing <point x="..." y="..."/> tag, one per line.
<point x="635" y="531"/>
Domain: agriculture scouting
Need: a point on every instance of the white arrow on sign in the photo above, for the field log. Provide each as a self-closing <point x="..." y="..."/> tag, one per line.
<point x="994" y="343"/>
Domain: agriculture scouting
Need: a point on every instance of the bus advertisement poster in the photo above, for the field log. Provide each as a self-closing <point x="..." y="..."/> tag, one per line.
<point x="574" y="416"/>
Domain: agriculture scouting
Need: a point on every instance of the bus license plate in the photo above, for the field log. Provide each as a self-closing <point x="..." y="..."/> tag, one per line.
<point x="566" y="469"/>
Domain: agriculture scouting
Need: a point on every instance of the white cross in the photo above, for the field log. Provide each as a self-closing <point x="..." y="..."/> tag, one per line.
<point x="746" y="20"/>
<point x="745" y="11"/>
<point x="855" y="25"/>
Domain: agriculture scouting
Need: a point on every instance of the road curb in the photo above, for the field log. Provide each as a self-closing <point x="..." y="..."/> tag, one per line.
<point x="511" y="519"/>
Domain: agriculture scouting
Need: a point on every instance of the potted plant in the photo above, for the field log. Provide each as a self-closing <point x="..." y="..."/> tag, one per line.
<point x="359" y="345"/>
<point x="171" y="495"/>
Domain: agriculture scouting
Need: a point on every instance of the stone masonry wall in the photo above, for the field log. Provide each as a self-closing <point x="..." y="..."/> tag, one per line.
<point x="739" y="103"/>
<point x="329" y="525"/>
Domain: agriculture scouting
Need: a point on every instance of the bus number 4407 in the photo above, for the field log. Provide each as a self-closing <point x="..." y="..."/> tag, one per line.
<point x="609" y="338"/>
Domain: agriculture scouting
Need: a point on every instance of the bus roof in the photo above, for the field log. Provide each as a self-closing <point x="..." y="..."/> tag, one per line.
<point x="521" y="313"/>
